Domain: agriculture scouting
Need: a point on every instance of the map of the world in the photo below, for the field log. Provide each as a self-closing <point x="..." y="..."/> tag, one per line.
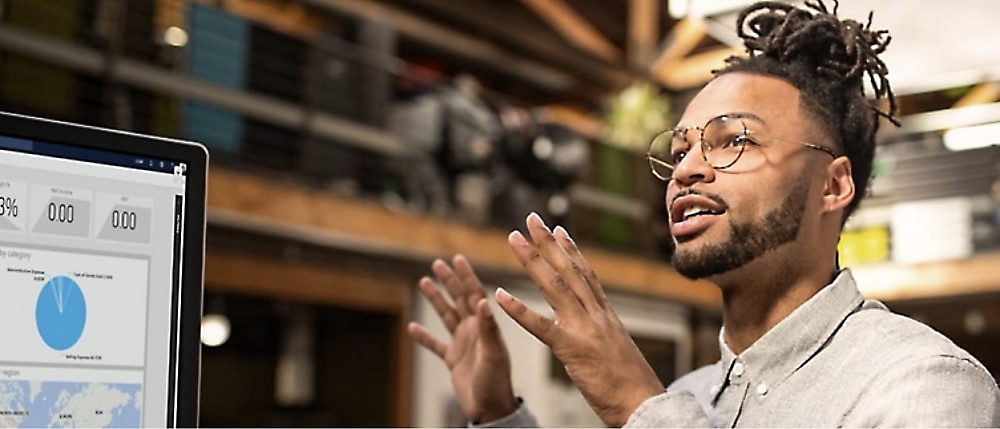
<point x="62" y="404"/>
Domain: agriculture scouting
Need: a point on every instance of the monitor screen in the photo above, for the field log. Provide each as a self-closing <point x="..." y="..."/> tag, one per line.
<point x="91" y="245"/>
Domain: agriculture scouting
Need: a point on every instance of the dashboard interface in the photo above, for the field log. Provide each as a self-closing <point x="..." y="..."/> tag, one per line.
<point x="90" y="277"/>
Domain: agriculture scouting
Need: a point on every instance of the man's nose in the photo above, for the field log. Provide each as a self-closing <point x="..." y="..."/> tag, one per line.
<point x="693" y="168"/>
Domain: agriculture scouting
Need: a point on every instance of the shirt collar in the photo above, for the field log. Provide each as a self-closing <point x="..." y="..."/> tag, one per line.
<point x="793" y="341"/>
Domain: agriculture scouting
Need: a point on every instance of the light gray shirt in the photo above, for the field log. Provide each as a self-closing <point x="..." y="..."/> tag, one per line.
<point x="837" y="360"/>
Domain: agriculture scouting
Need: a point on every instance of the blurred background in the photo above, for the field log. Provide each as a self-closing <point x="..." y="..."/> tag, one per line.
<point x="354" y="141"/>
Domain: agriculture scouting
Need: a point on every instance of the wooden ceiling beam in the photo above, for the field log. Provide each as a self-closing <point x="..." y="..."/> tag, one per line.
<point x="682" y="39"/>
<point x="692" y="71"/>
<point x="643" y="31"/>
<point x="984" y="93"/>
<point x="583" y="123"/>
<point x="575" y="28"/>
<point x="675" y="68"/>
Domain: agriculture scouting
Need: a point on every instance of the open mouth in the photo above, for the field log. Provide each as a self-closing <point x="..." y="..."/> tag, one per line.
<point x="692" y="214"/>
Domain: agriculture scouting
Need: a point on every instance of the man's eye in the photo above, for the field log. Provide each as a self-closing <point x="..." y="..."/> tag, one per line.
<point x="678" y="156"/>
<point x="739" y="140"/>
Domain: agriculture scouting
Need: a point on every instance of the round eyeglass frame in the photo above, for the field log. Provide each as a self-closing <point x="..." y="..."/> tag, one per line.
<point x="655" y="161"/>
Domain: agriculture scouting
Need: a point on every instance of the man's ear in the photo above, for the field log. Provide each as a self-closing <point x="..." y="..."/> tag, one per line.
<point x="838" y="190"/>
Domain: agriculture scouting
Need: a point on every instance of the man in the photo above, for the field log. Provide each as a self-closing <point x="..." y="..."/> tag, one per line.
<point x="767" y="162"/>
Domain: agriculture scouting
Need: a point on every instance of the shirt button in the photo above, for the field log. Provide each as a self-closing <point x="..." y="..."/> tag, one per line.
<point x="738" y="368"/>
<point x="761" y="389"/>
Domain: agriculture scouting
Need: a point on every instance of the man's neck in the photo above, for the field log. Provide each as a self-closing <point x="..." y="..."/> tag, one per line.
<point x="764" y="298"/>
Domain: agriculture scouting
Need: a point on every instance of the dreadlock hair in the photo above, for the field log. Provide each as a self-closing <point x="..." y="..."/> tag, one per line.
<point x="825" y="58"/>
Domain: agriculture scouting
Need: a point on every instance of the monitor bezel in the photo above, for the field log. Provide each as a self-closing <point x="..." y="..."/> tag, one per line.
<point x="196" y="157"/>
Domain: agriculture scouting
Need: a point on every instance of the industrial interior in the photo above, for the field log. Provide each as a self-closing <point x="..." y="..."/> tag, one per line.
<point x="353" y="142"/>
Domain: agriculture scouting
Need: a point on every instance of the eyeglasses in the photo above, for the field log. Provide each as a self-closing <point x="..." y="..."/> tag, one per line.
<point x="723" y="141"/>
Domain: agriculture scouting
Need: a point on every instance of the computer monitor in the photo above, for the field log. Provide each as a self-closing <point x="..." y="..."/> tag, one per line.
<point x="101" y="273"/>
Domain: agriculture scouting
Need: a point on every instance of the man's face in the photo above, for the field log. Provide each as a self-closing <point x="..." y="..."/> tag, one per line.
<point x="724" y="219"/>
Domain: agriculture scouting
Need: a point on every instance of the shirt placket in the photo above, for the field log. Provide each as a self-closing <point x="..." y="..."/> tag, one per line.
<point x="732" y="395"/>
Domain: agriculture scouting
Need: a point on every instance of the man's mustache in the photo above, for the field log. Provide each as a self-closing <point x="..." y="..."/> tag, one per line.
<point x="690" y="191"/>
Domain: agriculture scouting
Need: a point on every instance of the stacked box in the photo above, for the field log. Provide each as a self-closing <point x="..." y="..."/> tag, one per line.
<point x="217" y="52"/>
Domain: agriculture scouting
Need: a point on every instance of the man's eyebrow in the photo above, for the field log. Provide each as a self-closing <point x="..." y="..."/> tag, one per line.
<point x="745" y="115"/>
<point x="736" y="114"/>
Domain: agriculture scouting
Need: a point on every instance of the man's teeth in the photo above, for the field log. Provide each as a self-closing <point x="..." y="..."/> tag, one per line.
<point x="693" y="211"/>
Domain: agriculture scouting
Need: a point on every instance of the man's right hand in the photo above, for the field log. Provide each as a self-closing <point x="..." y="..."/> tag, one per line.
<point x="477" y="357"/>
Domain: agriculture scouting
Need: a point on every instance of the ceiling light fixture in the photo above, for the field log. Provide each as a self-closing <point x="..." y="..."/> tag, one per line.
<point x="215" y="329"/>
<point x="175" y="36"/>
<point x="972" y="137"/>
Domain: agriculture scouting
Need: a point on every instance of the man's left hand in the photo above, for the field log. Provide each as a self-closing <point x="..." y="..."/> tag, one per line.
<point x="586" y="334"/>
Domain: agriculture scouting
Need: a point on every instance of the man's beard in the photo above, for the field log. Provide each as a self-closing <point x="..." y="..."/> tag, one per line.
<point x="747" y="241"/>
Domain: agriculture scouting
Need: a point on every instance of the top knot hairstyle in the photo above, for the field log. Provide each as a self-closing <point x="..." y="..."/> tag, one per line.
<point x="826" y="59"/>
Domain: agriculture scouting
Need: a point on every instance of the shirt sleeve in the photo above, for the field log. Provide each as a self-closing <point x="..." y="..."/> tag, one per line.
<point x="670" y="409"/>
<point x="520" y="418"/>
<point x="938" y="391"/>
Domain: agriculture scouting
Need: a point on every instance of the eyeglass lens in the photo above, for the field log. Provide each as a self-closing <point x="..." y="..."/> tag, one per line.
<point x="723" y="140"/>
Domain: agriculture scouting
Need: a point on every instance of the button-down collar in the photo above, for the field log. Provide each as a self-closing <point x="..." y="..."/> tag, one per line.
<point x="794" y="340"/>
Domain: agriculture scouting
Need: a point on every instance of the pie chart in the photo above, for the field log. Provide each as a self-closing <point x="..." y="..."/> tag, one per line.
<point x="60" y="313"/>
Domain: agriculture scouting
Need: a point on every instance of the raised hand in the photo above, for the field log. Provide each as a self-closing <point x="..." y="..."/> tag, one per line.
<point x="477" y="357"/>
<point x="586" y="335"/>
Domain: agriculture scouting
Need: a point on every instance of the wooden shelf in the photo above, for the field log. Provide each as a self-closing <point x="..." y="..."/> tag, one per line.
<point x="372" y="227"/>
<point x="368" y="227"/>
<point x="893" y="282"/>
<point x="259" y="276"/>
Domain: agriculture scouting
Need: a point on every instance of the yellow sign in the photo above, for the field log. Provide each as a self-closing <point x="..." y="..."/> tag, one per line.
<point x="864" y="246"/>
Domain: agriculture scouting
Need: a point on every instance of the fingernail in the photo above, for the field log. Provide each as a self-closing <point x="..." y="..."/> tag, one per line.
<point x="516" y="237"/>
<point x="538" y="219"/>
<point x="503" y="294"/>
<point x="565" y="234"/>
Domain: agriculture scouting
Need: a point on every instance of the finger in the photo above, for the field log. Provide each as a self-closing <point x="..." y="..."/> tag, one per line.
<point x="424" y="338"/>
<point x="467" y="277"/>
<point x="488" y="328"/>
<point x="451" y="282"/>
<point x="540" y="326"/>
<point x="561" y="263"/>
<point x="567" y="243"/>
<point x="554" y="288"/>
<point x="444" y="310"/>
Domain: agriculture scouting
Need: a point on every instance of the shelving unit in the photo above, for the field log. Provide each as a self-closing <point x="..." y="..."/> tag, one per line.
<point x="238" y="199"/>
